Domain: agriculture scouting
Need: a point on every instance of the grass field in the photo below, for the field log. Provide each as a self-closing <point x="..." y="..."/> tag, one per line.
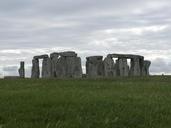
<point x="110" y="103"/>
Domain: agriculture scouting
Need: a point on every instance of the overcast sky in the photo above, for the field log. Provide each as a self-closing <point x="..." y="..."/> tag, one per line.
<point x="90" y="27"/>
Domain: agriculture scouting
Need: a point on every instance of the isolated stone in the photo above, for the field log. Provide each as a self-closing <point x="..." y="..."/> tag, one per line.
<point x="21" y="70"/>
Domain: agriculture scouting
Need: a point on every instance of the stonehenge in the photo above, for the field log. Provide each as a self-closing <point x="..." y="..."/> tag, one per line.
<point x="109" y="68"/>
<point x="121" y="65"/>
<point x="21" y="70"/>
<point x="58" y="65"/>
<point x="68" y="65"/>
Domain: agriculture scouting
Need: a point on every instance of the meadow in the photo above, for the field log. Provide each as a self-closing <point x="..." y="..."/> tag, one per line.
<point x="139" y="102"/>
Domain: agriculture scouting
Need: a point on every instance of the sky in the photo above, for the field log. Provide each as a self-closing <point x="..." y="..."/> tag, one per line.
<point x="89" y="27"/>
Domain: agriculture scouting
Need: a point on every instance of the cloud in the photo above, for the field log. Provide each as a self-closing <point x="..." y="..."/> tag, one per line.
<point x="161" y="66"/>
<point x="98" y="27"/>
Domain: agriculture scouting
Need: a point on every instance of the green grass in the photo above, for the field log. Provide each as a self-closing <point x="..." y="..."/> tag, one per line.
<point x="107" y="103"/>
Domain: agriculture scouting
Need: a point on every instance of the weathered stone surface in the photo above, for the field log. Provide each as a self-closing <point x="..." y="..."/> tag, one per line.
<point x="94" y="66"/>
<point x="61" y="67"/>
<point x="146" y="67"/>
<point x="21" y="70"/>
<point x="66" y="65"/>
<point x="54" y="60"/>
<point x="35" y="69"/>
<point x="68" y="54"/>
<point x="41" y="56"/>
<point x="69" y="67"/>
<point x="123" y="68"/>
<point x="54" y="54"/>
<point x="73" y="67"/>
<point x="135" y="69"/>
<point x="46" y="68"/>
<point x="109" y="67"/>
<point x="128" y="56"/>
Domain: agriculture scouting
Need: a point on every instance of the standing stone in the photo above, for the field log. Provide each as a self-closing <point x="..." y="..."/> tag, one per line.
<point x="117" y="68"/>
<point x="135" y="69"/>
<point x="146" y="68"/>
<point x="109" y="67"/>
<point x="21" y="70"/>
<point x="61" y="67"/>
<point x="66" y="65"/>
<point x="94" y="66"/>
<point x="35" y="68"/>
<point x="77" y="69"/>
<point x="123" y="68"/>
<point x="54" y="61"/>
<point x="46" y="67"/>
<point x="69" y="65"/>
<point x="73" y="67"/>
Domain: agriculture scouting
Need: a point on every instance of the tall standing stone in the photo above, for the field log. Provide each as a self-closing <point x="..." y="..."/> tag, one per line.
<point x="54" y="61"/>
<point x="94" y="67"/>
<point x="146" y="68"/>
<point x="69" y="65"/>
<point x="123" y="68"/>
<point x="109" y="67"/>
<point x="46" y="68"/>
<point x="35" y="68"/>
<point x="135" y="69"/>
<point x="21" y="70"/>
<point x="66" y="65"/>
<point x="61" y="67"/>
<point x="73" y="67"/>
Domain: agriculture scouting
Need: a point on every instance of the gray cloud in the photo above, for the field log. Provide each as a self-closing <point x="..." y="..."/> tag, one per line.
<point x="98" y="27"/>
